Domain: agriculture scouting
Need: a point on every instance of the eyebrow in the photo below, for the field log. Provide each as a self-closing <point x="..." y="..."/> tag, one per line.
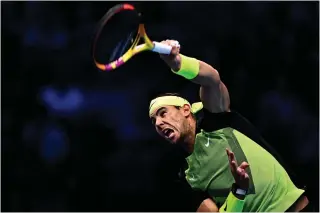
<point x="157" y="113"/>
<point x="160" y="109"/>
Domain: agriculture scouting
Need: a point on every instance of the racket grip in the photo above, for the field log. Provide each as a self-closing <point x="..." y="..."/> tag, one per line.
<point x="161" y="48"/>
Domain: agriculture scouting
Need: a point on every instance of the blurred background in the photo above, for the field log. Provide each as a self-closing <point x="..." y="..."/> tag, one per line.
<point x="77" y="139"/>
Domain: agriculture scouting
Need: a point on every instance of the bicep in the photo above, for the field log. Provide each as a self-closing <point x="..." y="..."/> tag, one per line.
<point x="208" y="206"/>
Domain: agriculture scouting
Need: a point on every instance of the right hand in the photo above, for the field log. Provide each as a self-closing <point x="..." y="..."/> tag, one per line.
<point x="173" y="59"/>
<point x="239" y="173"/>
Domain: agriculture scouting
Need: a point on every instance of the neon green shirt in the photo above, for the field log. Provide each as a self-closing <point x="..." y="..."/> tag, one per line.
<point x="270" y="190"/>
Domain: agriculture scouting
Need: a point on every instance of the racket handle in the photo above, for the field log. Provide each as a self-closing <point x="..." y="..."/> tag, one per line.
<point x="161" y="48"/>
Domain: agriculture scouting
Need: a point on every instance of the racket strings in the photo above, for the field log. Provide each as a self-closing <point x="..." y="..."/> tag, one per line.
<point x="122" y="45"/>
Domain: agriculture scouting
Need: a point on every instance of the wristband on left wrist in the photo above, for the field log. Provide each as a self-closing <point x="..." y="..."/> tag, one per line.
<point x="238" y="192"/>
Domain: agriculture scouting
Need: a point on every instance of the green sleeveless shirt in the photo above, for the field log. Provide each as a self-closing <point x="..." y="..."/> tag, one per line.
<point x="270" y="190"/>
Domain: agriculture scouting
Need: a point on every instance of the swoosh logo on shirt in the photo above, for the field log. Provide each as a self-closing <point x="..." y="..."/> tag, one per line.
<point x="207" y="144"/>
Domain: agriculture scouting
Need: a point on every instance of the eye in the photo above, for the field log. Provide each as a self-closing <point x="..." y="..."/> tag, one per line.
<point x="163" y="113"/>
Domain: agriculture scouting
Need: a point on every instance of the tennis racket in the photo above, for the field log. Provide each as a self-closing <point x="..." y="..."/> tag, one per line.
<point x="130" y="31"/>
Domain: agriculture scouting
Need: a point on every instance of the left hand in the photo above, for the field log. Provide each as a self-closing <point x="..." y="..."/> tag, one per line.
<point x="173" y="59"/>
<point x="239" y="173"/>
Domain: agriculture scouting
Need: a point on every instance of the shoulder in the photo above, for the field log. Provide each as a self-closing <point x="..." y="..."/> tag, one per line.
<point x="210" y="122"/>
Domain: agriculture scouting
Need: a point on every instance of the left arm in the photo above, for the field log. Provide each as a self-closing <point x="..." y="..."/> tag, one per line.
<point x="213" y="93"/>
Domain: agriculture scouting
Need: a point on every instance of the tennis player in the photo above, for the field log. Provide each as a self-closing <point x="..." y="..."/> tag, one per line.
<point x="205" y="130"/>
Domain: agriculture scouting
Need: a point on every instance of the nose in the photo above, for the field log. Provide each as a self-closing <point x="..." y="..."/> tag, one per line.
<point x="159" y="122"/>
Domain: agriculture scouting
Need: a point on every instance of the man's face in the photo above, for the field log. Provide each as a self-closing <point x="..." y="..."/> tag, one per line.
<point x="171" y="123"/>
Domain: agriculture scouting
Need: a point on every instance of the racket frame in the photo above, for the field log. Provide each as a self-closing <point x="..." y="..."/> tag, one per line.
<point x="133" y="50"/>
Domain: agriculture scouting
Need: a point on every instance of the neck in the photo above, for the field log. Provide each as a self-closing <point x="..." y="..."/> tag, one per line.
<point x="190" y="138"/>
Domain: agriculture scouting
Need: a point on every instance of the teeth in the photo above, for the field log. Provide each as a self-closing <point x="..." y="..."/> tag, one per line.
<point x="166" y="131"/>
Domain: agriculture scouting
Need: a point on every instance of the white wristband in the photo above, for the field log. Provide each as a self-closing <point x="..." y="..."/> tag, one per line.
<point x="241" y="192"/>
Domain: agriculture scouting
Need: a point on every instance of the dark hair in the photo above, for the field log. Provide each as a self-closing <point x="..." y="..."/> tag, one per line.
<point x="168" y="94"/>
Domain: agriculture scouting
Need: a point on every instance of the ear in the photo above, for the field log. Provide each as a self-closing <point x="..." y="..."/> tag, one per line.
<point x="186" y="110"/>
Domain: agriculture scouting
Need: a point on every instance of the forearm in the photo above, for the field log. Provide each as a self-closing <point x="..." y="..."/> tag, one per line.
<point x="206" y="75"/>
<point x="213" y="93"/>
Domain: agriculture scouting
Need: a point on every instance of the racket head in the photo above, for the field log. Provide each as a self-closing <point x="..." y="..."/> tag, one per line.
<point x="117" y="53"/>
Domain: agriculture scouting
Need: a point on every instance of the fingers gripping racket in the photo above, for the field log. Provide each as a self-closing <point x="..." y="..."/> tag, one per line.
<point x="119" y="54"/>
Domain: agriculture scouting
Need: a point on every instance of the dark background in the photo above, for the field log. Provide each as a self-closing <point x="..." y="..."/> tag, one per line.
<point x="77" y="139"/>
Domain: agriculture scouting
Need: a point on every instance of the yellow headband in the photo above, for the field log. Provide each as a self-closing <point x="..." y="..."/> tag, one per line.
<point x="159" y="102"/>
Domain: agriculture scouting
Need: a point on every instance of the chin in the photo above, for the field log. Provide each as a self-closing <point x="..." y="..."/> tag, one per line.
<point x="172" y="141"/>
<point x="175" y="140"/>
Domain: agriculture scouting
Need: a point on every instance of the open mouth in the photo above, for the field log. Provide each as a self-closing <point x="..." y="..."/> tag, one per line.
<point x="168" y="133"/>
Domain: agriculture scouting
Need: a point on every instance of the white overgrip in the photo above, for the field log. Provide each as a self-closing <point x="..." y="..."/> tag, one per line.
<point x="163" y="48"/>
